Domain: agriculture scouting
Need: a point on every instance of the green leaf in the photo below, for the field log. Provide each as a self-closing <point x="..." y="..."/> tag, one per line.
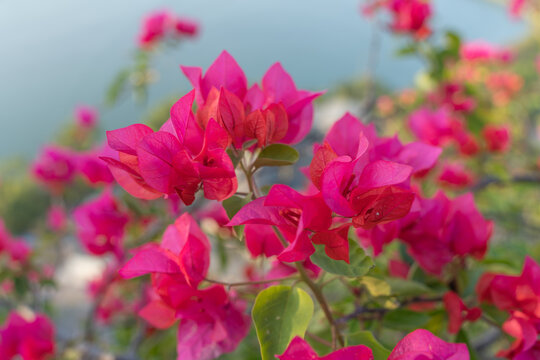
<point x="366" y="338"/>
<point x="403" y="287"/>
<point x="277" y="155"/>
<point x="407" y="50"/>
<point x="280" y="313"/>
<point x="376" y="287"/>
<point x="405" y="320"/>
<point x="233" y="204"/>
<point x="359" y="262"/>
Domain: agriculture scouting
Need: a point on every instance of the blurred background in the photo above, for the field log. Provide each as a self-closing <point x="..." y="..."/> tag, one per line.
<point x="60" y="53"/>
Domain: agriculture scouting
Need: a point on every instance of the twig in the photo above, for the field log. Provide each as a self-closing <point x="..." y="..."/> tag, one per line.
<point x="360" y="310"/>
<point x="318" y="339"/>
<point x="493" y="180"/>
<point x="248" y="283"/>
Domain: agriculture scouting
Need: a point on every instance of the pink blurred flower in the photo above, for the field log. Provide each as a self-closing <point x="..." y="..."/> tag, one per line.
<point x="158" y="25"/>
<point x="55" y="167"/>
<point x="27" y="334"/>
<point x="86" y="116"/>
<point x="455" y="175"/>
<point x="100" y="224"/>
<point x="497" y="138"/>
<point x="482" y="52"/>
<point x="56" y="218"/>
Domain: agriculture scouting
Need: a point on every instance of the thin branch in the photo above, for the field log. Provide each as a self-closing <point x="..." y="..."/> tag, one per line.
<point x="318" y="339"/>
<point x="361" y="310"/>
<point x="493" y="180"/>
<point x="248" y="283"/>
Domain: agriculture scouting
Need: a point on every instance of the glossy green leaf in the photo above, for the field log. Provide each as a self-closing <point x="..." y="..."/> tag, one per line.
<point x="366" y="338"/>
<point x="233" y="204"/>
<point x="403" y="287"/>
<point x="359" y="262"/>
<point x="280" y="313"/>
<point x="277" y="155"/>
<point x="405" y="320"/>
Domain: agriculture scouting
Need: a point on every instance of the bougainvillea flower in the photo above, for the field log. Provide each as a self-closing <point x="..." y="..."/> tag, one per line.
<point x="186" y="27"/>
<point x="398" y="268"/>
<point x="408" y="16"/>
<point x="223" y="73"/>
<point x="411" y="16"/>
<point x="56" y="218"/>
<point x="92" y="168"/>
<point x="153" y="28"/>
<point x="516" y="7"/>
<point x="262" y="240"/>
<point x="370" y="196"/>
<point x="278" y="87"/>
<point x="378" y="236"/>
<point x="503" y="85"/>
<point x="179" y="159"/>
<point x="519" y="293"/>
<point x="86" y="116"/>
<point x="526" y="331"/>
<point x="17" y="249"/>
<point x="458" y="312"/>
<point x="423" y="345"/>
<point x="100" y="224"/>
<point x="482" y="51"/>
<point x="105" y="291"/>
<point x="453" y="95"/>
<point x="211" y="321"/>
<point x="260" y="108"/>
<point x="497" y="138"/>
<point x="299" y="349"/>
<point x="348" y="136"/>
<point x="125" y="165"/>
<point x="29" y="335"/>
<point x="184" y="250"/>
<point x="455" y="175"/>
<point x="296" y="215"/>
<point x="158" y="25"/>
<point x="433" y="127"/>
<point x="55" y="167"/>
<point x="442" y="229"/>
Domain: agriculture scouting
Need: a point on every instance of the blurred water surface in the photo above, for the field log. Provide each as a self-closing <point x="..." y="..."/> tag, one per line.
<point x="59" y="53"/>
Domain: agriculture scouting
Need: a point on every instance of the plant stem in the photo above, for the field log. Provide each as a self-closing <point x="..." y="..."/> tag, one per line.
<point x="324" y="305"/>
<point x="247" y="283"/>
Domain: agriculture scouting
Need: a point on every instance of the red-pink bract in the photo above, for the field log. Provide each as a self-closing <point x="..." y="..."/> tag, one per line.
<point x="455" y="175"/>
<point x="100" y="224"/>
<point x="92" y="168"/>
<point x="423" y="345"/>
<point x="513" y="293"/>
<point x="184" y="251"/>
<point x="296" y="216"/>
<point x="30" y="335"/>
<point x="458" y="312"/>
<point x="277" y="91"/>
<point x="497" y="138"/>
<point x="299" y="349"/>
<point x="442" y="229"/>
